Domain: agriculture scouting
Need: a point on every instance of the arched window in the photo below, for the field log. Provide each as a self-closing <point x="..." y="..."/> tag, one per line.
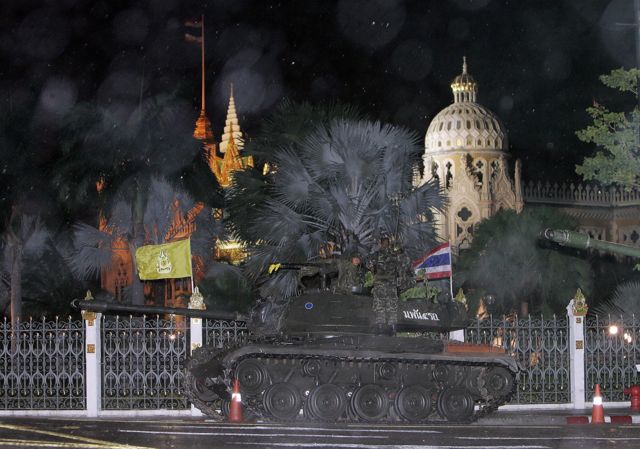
<point x="458" y="124"/>
<point x="468" y="124"/>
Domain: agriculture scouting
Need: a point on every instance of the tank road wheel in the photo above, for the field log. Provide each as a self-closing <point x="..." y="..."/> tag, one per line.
<point x="413" y="403"/>
<point x="455" y="404"/>
<point x="252" y="376"/>
<point x="326" y="403"/>
<point x="282" y="401"/>
<point x="201" y="388"/>
<point x="499" y="382"/>
<point x="370" y="402"/>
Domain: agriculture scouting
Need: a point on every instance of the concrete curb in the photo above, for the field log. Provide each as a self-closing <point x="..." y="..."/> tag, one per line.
<point x="612" y="419"/>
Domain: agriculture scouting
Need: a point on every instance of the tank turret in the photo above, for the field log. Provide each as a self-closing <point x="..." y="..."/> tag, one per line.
<point x="578" y="240"/>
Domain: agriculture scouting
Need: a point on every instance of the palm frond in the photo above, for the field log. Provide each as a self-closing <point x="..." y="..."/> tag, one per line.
<point x="93" y="251"/>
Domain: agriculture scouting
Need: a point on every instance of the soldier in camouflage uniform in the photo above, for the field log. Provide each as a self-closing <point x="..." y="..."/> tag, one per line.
<point x="391" y="275"/>
<point x="350" y="275"/>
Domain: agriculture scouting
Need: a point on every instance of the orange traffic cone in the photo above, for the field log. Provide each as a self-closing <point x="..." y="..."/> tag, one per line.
<point x="597" y="413"/>
<point x="235" y="408"/>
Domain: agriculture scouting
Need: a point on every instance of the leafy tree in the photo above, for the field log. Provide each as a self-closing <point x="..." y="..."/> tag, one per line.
<point x="338" y="187"/>
<point x="617" y="134"/>
<point x="508" y="261"/>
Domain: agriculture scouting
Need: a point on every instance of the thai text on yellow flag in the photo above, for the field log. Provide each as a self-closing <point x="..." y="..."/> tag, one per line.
<point x="168" y="260"/>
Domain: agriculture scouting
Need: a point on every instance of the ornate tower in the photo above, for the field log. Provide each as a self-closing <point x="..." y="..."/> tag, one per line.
<point x="230" y="160"/>
<point x="466" y="151"/>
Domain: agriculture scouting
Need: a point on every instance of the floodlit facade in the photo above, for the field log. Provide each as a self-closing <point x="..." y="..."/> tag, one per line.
<point x="466" y="151"/>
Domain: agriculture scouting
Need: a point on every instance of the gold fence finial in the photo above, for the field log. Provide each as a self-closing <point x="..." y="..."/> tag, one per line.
<point x="579" y="304"/>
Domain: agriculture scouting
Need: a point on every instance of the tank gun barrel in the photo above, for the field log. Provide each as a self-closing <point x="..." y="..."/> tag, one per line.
<point x="107" y="307"/>
<point x="579" y="240"/>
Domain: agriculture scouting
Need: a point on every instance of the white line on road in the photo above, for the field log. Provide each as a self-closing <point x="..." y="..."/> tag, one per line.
<point x="232" y="434"/>
<point x="394" y="446"/>
<point x="316" y="429"/>
<point x="587" y="438"/>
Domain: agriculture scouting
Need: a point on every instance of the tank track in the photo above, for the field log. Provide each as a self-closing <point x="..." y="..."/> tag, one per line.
<point x="197" y="390"/>
<point x="255" y="403"/>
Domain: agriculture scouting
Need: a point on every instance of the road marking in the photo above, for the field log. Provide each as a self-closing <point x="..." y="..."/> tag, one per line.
<point x="551" y="438"/>
<point x="387" y="446"/>
<point x="92" y="441"/>
<point x="251" y="434"/>
<point x="45" y="444"/>
<point x="321" y="429"/>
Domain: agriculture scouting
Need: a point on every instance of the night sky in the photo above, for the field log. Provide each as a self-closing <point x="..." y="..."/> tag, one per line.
<point x="536" y="62"/>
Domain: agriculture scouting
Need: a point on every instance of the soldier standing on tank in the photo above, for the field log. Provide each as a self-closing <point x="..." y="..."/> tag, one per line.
<point x="385" y="288"/>
<point x="350" y="275"/>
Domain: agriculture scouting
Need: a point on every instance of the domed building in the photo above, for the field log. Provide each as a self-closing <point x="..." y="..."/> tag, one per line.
<point x="466" y="151"/>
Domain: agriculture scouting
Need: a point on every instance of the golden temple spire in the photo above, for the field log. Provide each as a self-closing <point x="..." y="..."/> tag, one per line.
<point x="231" y="125"/>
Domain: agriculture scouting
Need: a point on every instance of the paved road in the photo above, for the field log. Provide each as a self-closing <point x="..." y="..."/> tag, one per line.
<point x="200" y="434"/>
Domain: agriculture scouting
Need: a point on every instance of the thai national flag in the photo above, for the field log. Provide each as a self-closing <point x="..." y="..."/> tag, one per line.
<point x="435" y="265"/>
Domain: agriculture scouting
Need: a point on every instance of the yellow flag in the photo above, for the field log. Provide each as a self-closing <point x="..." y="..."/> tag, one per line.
<point x="274" y="267"/>
<point x="169" y="260"/>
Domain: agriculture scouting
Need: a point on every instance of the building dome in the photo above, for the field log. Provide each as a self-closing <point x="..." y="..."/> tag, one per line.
<point x="465" y="125"/>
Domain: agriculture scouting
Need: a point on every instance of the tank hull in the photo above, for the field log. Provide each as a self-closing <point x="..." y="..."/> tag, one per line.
<point x="356" y="379"/>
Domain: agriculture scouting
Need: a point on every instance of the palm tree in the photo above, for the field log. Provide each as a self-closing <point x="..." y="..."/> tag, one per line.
<point x="25" y="235"/>
<point x="623" y="302"/>
<point x="23" y="186"/>
<point x="343" y="184"/>
<point x="286" y="128"/>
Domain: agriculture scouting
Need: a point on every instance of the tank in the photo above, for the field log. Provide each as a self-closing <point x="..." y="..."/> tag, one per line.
<point x="578" y="240"/>
<point x="316" y="358"/>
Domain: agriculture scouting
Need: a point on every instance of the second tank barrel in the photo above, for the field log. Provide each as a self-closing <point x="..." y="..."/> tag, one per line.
<point x="578" y="240"/>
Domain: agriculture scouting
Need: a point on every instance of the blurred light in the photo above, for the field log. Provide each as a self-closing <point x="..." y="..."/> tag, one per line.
<point x="613" y="330"/>
<point x="172" y="337"/>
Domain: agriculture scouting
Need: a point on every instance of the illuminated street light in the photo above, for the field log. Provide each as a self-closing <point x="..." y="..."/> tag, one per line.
<point x="613" y="330"/>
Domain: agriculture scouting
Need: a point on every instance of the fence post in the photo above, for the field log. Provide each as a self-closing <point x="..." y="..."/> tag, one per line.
<point x="195" y="332"/>
<point x="576" y="313"/>
<point x="93" y="356"/>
